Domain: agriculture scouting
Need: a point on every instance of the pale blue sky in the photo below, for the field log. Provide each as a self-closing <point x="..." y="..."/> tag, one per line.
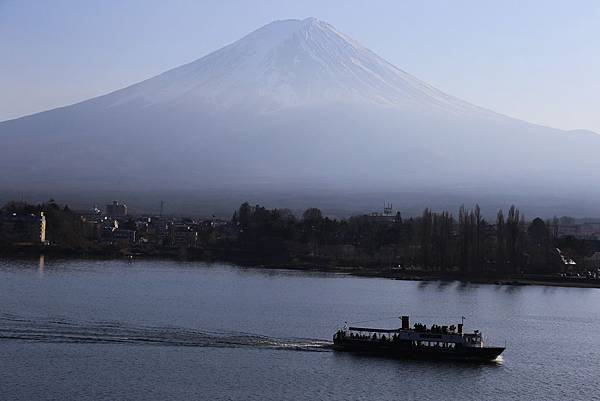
<point x="535" y="60"/>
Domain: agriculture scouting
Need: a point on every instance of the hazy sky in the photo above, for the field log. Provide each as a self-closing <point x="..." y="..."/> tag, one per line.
<point x="535" y="60"/>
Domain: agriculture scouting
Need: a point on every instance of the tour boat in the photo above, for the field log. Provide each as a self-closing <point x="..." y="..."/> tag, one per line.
<point x="418" y="342"/>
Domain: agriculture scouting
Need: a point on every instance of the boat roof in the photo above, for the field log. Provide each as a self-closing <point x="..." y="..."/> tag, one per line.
<point x="374" y="330"/>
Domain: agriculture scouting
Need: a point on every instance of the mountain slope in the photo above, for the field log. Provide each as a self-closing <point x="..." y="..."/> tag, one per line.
<point x="291" y="63"/>
<point x="294" y="103"/>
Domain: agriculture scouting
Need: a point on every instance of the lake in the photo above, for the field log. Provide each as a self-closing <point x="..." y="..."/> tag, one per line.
<point x="165" y="330"/>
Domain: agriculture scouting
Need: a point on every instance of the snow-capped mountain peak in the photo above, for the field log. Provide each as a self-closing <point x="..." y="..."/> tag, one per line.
<point x="291" y="63"/>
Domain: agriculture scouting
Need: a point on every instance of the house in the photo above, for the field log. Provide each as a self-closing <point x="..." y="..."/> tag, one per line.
<point x="183" y="235"/>
<point x="123" y="237"/>
<point x="23" y="228"/>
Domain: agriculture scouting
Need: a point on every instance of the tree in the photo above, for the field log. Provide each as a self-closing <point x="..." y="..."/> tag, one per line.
<point x="464" y="238"/>
<point x="312" y="214"/>
<point x="426" y="237"/>
<point x="513" y="237"/>
<point x="478" y="234"/>
<point x="537" y="231"/>
<point x="244" y="214"/>
<point x="442" y="236"/>
<point x="500" y="242"/>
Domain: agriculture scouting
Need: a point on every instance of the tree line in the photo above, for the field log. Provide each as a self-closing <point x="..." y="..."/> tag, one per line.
<point x="439" y="242"/>
<point x="433" y="241"/>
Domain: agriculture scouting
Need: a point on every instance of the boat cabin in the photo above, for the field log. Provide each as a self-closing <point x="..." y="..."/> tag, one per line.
<point x="419" y="335"/>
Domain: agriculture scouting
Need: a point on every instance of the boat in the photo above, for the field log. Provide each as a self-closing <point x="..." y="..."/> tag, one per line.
<point x="419" y="342"/>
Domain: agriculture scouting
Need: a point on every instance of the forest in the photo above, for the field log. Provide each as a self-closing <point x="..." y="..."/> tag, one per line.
<point x="434" y="241"/>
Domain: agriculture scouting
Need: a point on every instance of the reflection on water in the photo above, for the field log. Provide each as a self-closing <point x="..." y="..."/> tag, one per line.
<point x="444" y="284"/>
<point x="41" y="264"/>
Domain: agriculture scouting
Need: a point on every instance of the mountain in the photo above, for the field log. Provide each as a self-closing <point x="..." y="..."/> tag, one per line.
<point x="286" y="64"/>
<point x="295" y="104"/>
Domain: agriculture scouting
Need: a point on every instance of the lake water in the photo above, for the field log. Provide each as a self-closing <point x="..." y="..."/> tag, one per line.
<point x="148" y="330"/>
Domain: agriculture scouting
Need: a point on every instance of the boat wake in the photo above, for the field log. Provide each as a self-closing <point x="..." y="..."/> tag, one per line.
<point x="48" y="330"/>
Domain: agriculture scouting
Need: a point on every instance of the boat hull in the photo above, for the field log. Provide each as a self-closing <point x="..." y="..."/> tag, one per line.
<point x="399" y="350"/>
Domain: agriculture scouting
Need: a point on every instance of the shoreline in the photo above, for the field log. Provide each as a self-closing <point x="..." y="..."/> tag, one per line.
<point x="309" y="266"/>
<point x="523" y="280"/>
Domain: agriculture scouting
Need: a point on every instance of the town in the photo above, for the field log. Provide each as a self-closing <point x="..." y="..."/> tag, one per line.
<point x="381" y="243"/>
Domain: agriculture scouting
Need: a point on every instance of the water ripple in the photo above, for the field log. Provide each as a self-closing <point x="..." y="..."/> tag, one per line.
<point x="54" y="330"/>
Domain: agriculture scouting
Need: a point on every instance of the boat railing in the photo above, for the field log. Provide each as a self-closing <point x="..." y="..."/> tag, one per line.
<point x="418" y="337"/>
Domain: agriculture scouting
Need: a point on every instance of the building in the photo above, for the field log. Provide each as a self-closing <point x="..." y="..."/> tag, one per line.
<point x="387" y="217"/>
<point x="104" y="230"/>
<point x="590" y="230"/>
<point x="91" y="214"/>
<point x="159" y="230"/>
<point x="183" y="235"/>
<point x="123" y="237"/>
<point x="586" y="230"/>
<point x="566" y="262"/>
<point x="116" y="209"/>
<point x="23" y="228"/>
